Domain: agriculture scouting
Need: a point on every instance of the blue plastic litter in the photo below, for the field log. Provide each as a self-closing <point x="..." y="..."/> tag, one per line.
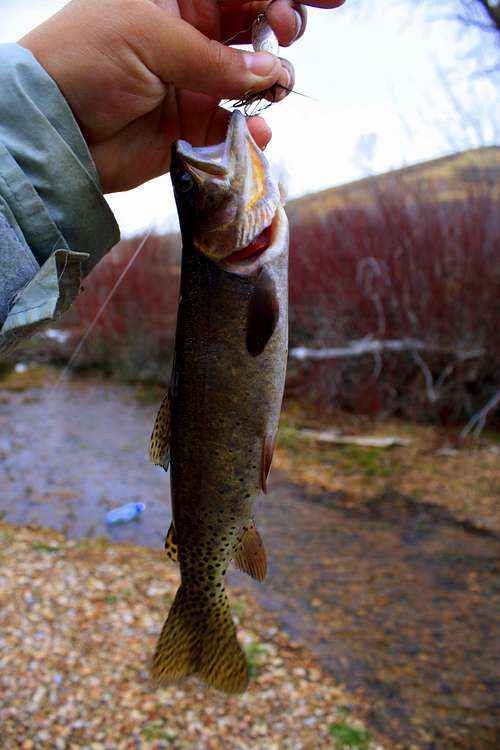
<point x="125" y="513"/>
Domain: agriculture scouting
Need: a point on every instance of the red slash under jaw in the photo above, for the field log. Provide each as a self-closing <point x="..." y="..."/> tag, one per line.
<point x="254" y="249"/>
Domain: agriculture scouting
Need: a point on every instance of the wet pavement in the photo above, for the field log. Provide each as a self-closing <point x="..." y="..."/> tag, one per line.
<point x="399" y="599"/>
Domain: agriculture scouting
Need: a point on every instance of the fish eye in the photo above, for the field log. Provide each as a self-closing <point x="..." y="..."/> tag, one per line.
<point x="184" y="182"/>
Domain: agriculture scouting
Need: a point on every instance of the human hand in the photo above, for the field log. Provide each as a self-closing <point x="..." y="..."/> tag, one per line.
<point x="139" y="74"/>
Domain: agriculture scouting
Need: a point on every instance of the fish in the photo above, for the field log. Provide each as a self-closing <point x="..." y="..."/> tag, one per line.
<point x="216" y="428"/>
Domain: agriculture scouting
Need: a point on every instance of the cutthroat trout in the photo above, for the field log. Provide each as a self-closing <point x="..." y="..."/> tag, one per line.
<point x="217" y="426"/>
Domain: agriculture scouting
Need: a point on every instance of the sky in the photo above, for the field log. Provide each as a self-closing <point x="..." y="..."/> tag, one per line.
<point x="385" y="88"/>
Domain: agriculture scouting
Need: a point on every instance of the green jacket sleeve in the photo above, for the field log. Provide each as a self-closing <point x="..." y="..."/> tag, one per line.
<point x="55" y="224"/>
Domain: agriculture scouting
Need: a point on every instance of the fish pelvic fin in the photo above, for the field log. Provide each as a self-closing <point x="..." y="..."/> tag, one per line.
<point x="171" y="544"/>
<point x="159" y="445"/>
<point x="195" y="642"/>
<point x="250" y="557"/>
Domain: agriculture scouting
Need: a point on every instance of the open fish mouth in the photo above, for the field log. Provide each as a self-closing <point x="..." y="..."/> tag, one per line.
<point x="212" y="160"/>
<point x="226" y="158"/>
<point x="235" y="178"/>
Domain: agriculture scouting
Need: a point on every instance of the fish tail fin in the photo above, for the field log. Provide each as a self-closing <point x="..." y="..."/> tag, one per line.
<point x="193" y="640"/>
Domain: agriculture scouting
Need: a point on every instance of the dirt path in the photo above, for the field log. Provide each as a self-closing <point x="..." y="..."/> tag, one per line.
<point x="398" y="598"/>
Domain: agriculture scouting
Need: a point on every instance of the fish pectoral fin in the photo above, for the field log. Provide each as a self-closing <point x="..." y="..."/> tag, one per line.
<point x="159" y="445"/>
<point x="250" y="557"/>
<point x="171" y="543"/>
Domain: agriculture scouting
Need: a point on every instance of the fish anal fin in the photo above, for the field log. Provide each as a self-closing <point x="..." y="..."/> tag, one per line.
<point x="171" y="544"/>
<point x="250" y="557"/>
<point x="159" y="445"/>
<point x="206" y="645"/>
<point x="263" y="313"/>
<point x="266" y="459"/>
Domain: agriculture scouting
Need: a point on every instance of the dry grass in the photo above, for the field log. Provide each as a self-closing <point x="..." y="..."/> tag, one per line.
<point x="467" y="482"/>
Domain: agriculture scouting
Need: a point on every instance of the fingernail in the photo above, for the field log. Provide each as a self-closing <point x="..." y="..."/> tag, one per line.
<point x="288" y="70"/>
<point x="261" y="64"/>
<point x="300" y="15"/>
<point x="287" y="79"/>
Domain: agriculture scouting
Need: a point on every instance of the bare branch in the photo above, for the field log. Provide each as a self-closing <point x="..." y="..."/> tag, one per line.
<point x="478" y="421"/>
<point x="429" y="380"/>
<point x="493" y="12"/>
<point x="478" y="19"/>
<point x="362" y="347"/>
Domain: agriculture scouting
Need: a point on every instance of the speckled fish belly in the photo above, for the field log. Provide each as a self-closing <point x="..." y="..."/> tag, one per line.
<point x="217" y="426"/>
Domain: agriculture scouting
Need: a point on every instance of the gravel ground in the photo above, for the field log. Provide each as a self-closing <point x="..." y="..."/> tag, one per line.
<point x="78" y="624"/>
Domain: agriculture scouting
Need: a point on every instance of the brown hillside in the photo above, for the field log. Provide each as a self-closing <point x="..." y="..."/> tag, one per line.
<point x="453" y="175"/>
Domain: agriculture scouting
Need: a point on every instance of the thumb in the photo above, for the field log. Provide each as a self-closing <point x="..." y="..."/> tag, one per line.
<point x="179" y="54"/>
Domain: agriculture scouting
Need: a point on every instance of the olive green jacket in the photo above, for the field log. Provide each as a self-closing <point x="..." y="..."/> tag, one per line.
<point x="55" y="224"/>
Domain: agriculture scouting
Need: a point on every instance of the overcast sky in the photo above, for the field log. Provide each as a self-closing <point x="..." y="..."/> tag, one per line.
<point x="376" y="72"/>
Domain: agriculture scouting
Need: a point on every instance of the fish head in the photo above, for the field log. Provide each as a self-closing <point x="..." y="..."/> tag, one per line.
<point x="225" y="195"/>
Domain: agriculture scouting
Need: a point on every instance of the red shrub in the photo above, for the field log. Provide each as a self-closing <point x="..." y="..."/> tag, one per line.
<point x="403" y="265"/>
<point x="406" y="266"/>
<point x="134" y="336"/>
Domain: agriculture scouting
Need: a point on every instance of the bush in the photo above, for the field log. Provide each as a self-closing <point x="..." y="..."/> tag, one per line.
<point x="134" y="337"/>
<point x="408" y="265"/>
<point x="405" y="264"/>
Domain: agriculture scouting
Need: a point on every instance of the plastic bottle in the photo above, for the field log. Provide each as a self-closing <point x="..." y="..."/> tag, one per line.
<point x="125" y="513"/>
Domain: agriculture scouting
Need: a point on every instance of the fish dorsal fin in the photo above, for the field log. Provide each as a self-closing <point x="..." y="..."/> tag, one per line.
<point x="250" y="557"/>
<point x="159" y="445"/>
<point x="171" y="543"/>
<point x="263" y="314"/>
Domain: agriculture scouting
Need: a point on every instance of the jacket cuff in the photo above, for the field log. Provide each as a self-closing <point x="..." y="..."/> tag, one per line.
<point x="49" y="293"/>
<point x="48" y="180"/>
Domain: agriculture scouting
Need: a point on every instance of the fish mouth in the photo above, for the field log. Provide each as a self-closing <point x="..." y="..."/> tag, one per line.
<point x="211" y="160"/>
<point x="235" y="176"/>
<point x="221" y="159"/>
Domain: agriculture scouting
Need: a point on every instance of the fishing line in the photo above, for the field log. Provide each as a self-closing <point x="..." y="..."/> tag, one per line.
<point x="98" y="315"/>
<point x="242" y="31"/>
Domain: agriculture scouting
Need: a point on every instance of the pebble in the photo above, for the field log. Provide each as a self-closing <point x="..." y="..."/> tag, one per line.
<point x="88" y="688"/>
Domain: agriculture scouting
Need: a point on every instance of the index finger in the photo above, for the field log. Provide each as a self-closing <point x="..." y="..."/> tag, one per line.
<point x="287" y="18"/>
